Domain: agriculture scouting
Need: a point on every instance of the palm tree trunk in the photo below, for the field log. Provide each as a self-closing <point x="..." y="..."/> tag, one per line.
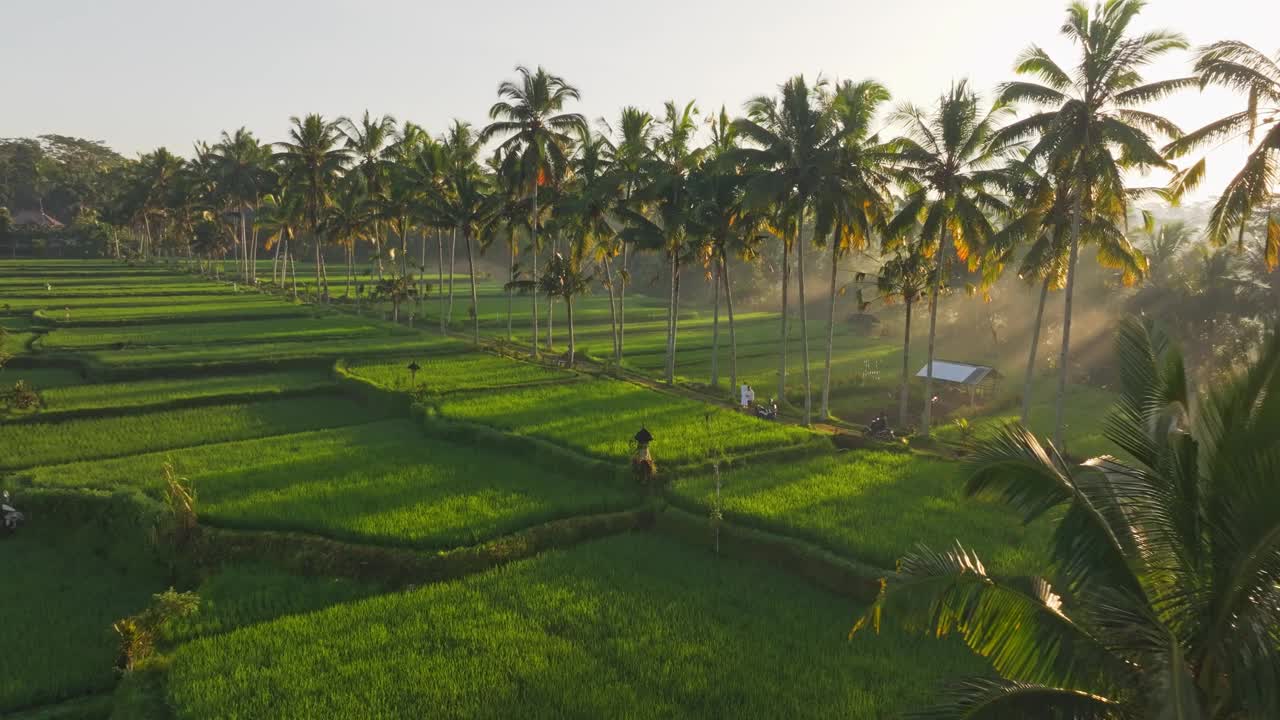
<point x="675" y="326"/>
<point x="288" y="254"/>
<point x="831" y="327"/>
<point x="926" y="419"/>
<point x="351" y="268"/>
<point x="904" y="389"/>
<point x="275" y="266"/>
<point x="422" y="271"/>
<point x="613" y="314"/>
<point x="404" y="246"/>
<point x="1031" y="355"/>
<point x="244" y="247"/>
<point x="453" y="256"/>
<point x="568" y="306"/>
<point x="715" y="323"/>
<point x="668" y="366"/>
<point x="533" y="250"/>
<point x="511" y="277"/>
<point x="804" y="322"/>
<point x="1059" y="439"/>
<point x="622" y="301"/>
<point x="551" y="299"/>
<point x="319" y="278"/>
<point x="782" y="359"/>
<point x="733" y="336"/>
<point x="440" y="277"/>
<point x="475" y="303"/>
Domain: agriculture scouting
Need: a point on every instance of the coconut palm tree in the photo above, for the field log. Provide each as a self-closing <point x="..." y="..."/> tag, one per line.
<point x="852" y="198"/>
<point x="721" y="216"/>
<point x="312" y="160"/>
<point x="280" y="218"/>
<point x="629" y="161"/>
<point x="509" y="220"/>
<point x="669" y="203"/>
<point x="955" y="168"/>
<point x="1162" y="244"/>
<point x="243" y="175"/>
<point x="566" y="277"/>
<point x="466" y="199"/>
<point x="530" y="115"/>
<point x="349" y="219"/>
<point x="906" y="275"/>
<point x="1091" y="129"/>
<point x="588" y="202"/>
<point x="368" y="141"/>
<point x="1161" y="597"/>
<point x="1238" y="66"/>
<point x="790" y="147"/>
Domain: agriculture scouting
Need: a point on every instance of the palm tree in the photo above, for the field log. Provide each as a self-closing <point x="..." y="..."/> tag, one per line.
<point x="566" y="279"/>
<point x="668" y="198"/>
<point x="348" y="219"/>
<point x="721" y="216"/>
<point x="312" y="160"/>
<point x="588" y="202"/>
<point x="852" y="197"/>
<point x="1238" y="66"/>
<point x="905" y="276"/>
<point x="155" y="174"/>
<point x="630" y="160"/>
<point x="243" y="175"/>
<point x="280" y="219"/>
<point x="530" y="116"/>
<point x="1092" y="130"/>
<point x="466" y="199"/>
<point x="1162" y="599"/>
<point x="954" y="166"/>
<point x="423" y="172"/>
<point x="368" y="141"/>
<point x="792" y="145"/>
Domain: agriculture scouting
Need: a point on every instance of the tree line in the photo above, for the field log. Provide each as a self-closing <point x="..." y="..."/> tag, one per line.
<point x="960" y="188"/>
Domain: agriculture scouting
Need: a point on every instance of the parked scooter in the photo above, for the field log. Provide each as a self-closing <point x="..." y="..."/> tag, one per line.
<point x="767" y="412"/>
<point x="10" y="518"/>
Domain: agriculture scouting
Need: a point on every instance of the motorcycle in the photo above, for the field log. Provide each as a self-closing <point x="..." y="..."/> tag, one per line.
<point x="10" y="518"/>
<point x="767" y="412"/>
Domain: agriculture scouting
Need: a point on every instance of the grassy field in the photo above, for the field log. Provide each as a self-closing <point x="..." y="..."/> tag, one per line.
<point x="440" y="375"/>
<point x="381" y="482"/>
<point x="40" y="443"/>
<point x="873" y="506"/>
<point x="240" y="331"/>
<point x="600" y="417"/>
<point x="632" y="626"/>
<point x="238" y="390"/>
<point x="58" y="598"/>
<point x="154" y="392"/>
<point x="220" y="309"/>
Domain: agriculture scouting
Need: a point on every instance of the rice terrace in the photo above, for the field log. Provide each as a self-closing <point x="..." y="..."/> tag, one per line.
<point x="839" y="402"/>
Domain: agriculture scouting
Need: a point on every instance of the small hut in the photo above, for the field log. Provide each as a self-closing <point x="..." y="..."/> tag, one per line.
<point x="977" y="380"/>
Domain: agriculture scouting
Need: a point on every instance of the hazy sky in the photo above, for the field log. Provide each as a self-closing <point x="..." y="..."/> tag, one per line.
<point x="143" y="73"/>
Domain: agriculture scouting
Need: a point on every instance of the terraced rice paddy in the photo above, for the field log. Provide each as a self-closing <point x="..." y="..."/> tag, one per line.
<point x="632" y="626"/>
<point x="250" y="398"/>
<point x="600" y="417"/>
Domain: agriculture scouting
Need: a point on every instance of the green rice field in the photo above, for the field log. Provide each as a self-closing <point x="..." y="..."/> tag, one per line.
<point x="463" y="541"/>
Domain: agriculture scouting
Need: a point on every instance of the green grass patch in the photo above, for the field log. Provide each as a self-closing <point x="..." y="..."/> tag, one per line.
<point x="633" y="626"/>
<point x="181" y="309"/>
<point x="242" y="331"/>
<point x="42" y="443"/>
<point x="275" y="352"/>
<point x="242" y="595"/>
<point x="383" y="482"/>
<point x="600" y="417"/>
<point x="156" y="392"/>
<point x="873" y="506"/>
<point x="439" y="375"/>
<point x="59" y="596"/>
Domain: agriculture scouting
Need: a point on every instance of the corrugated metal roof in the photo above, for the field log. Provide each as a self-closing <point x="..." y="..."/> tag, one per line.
<point x="954" y="372"/>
